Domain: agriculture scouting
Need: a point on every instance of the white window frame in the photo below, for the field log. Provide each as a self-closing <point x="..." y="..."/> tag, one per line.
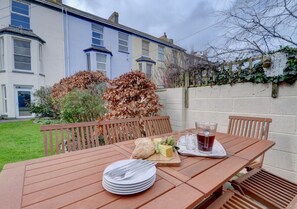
<point x="148" y="75"/>
<point x="174" y="56"/>
<point x="161" y="53"/>
<point x="123" y="42"/>
<point x="1" y="53"/>
<point x="99" y="62"/>
<point x="26" y="40"/>
<point x="98" y="29"/>
<point x="89" y="63"/>
<point x="145" y="51"/>
<point x="4" y="98"/>
<point x="29" y="12"/>
<point x="140" y="67"/>
<point x="41" y="69"/>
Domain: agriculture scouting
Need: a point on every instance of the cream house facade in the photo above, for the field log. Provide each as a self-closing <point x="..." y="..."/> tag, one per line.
<point x="153" y="56"/>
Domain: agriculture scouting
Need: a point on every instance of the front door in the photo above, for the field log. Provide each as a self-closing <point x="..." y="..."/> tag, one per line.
<point x="23" y="102"/>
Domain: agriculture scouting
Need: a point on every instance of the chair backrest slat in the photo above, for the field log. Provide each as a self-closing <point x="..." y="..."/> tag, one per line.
<point x="117" y="130"/>
<point x="156" y="125"/>
<point x="59" y="138"/>
<point x="252" y="127"/>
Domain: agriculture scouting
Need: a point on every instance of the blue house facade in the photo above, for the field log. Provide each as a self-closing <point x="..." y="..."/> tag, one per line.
<point x="92" y="45"/>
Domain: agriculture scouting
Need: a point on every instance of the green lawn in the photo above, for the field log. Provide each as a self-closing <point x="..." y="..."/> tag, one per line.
<point x="21" y="140"/>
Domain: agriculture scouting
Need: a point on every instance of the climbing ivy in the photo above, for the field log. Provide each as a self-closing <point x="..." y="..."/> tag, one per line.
<point x="221" y="74"/>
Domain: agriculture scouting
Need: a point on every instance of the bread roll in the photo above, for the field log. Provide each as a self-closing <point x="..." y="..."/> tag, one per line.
<point x="144" y="148"/>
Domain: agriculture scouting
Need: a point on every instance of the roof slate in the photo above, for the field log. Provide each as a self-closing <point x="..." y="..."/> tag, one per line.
<point x="98" y="49"/>
<point x="145" y="59"/>
<point x="19" y="31"/>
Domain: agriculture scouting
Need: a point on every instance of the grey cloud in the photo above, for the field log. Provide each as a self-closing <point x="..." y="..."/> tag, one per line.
<point x="178" y="18"/>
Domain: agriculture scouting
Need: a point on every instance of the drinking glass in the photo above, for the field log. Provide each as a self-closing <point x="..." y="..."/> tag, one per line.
<point x="206" y="132"/>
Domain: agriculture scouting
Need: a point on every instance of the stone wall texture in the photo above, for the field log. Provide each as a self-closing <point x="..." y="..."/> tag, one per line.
<point x="218" y="102"/>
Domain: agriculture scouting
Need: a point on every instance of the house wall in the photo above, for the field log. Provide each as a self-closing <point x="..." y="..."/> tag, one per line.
<point x="5" y="13"/>
<point x="79" y="37"/>
<point x="218" y="102"/>
<point x="159" y="67"/>
<point x="48" y="25"/>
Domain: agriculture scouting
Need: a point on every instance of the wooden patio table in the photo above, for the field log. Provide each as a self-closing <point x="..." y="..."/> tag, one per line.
<point x="73" y="180"/>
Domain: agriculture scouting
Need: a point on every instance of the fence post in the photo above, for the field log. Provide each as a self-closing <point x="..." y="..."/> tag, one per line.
<point x="187" y="82"/>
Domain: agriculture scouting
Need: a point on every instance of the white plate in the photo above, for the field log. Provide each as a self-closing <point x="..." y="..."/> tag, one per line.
<point x="124" y="186"/>
<point x="127" y="191"/>
<point x="218" y="150"/>
<point x="131" y="181"/>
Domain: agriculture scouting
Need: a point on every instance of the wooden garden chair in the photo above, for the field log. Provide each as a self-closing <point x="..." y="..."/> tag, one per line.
<point x="252" y="127"/>
<point x="234" y="200"/>
<point x="60" y="138"/>
<point x="156" y="125"/>
<point x="118" y="130"/>
<point x="268" y="189"/>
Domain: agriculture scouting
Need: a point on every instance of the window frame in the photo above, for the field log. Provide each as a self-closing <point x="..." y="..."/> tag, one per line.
<point x="89" y="63"/>
<point x="104" y="71"/>
<point x="100" y="30"/>
<point x="143" y="49"/>
<point x="140" y="67"/>
<point x="14" y="54"/>
<point x="123" y="40"/>
<point x="4" y="98"/>
<point x="149" y="75"/>
<point x="174" y="57"/>
<point x="40" y="56"/>
<point x="20" y="15"/>
<point x="161" y="53"/>
<point x="2" y="58"/>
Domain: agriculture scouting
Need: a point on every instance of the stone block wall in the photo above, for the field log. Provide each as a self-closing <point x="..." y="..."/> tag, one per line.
<point x="218" y="102"/>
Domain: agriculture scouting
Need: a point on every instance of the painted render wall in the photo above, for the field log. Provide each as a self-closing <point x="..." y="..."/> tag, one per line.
<point x="48" y="25"/>
<point x="159" y="67"/>
<point x="218" y="102"/>
<point x="79" y="38"/>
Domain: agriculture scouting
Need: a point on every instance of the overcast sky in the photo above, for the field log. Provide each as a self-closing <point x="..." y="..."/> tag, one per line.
<point x="191" y="23"/>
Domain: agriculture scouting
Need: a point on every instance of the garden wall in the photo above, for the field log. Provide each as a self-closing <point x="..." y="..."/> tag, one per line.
<point x="218" y="102"/>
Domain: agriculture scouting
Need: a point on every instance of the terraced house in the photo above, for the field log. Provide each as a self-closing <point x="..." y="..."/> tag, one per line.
<point x="44" y="41"/>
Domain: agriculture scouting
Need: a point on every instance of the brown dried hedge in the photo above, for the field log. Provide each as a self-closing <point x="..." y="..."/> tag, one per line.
<point x="80" y="80"/>
<point x="131" y="95"/>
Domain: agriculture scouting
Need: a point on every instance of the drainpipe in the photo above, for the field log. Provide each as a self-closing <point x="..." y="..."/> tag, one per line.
<point x="66" y="38"/>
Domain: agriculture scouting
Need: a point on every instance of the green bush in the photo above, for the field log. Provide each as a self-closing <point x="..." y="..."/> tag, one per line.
<point x="83" y="105"/>
<point x="43" y="105"/>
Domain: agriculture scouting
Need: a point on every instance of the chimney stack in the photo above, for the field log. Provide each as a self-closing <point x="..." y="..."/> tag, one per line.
<point x="114" y="17"/>
<point x="164" y="38"/>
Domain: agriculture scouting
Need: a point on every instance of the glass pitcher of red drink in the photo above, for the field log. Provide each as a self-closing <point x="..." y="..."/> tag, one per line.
<point x="206" y="132"/>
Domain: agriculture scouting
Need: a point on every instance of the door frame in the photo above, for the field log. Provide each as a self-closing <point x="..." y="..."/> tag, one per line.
<point x="17" y="113"/>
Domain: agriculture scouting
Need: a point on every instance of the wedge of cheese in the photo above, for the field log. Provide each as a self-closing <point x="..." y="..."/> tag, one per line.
<point x="165" y="150"/>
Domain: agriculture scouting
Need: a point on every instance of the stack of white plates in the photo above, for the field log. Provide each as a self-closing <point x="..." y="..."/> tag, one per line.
<point x="133" y="185"/>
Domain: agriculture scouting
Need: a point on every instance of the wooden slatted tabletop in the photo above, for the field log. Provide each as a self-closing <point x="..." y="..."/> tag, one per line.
<point x="73" y="180"/>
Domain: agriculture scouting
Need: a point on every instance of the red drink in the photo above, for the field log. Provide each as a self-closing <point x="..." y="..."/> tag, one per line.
<point x="205" y="143"/>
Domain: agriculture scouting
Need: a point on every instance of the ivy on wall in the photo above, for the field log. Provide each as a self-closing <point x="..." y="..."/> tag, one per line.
<point x="257" y="74"/>
<point x="223" y="74"/>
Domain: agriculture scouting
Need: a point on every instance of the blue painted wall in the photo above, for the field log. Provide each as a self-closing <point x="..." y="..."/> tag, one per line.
<point x="78" y="37"/>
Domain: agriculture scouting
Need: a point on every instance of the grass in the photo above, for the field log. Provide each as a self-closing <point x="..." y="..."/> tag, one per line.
<point x="21" y="140"/>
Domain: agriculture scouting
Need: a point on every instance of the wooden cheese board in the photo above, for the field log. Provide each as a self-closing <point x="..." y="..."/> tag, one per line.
<point x="161" y="160"/>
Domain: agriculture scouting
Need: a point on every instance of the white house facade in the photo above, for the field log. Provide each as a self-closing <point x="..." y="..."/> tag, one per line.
<point x="32" y="53"/>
